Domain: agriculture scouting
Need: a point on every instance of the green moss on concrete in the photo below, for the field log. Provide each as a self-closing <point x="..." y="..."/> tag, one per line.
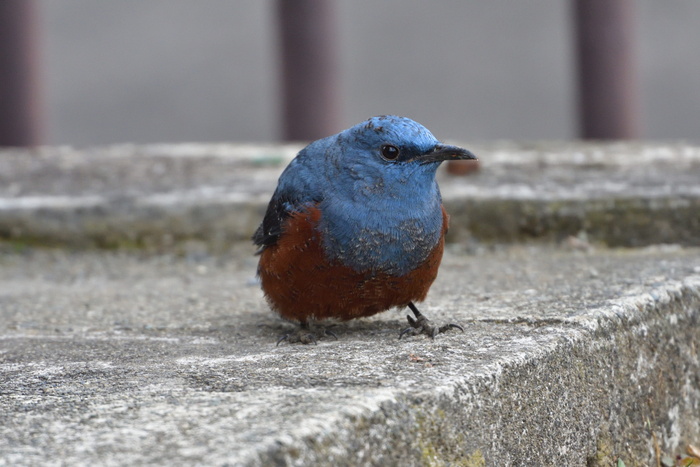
<point x="626" y="222"/>
<point x="439" y="443"/>
<point x="604" y="455"/>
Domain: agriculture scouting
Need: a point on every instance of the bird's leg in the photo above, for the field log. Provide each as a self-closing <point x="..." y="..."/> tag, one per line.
<point x="304" y="335"/>
<point x="422" y="325"/>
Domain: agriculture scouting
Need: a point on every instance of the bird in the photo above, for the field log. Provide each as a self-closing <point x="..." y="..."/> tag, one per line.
<point x="356" y="226"/>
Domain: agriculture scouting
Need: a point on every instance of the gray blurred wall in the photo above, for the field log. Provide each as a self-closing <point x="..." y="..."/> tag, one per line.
<point x="183" y="70"/>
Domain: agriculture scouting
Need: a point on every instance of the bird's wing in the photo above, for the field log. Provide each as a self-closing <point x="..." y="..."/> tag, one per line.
<point x="295" y="192"/>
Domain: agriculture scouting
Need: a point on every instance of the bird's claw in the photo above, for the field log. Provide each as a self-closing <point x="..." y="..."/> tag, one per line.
<point x="422" y="325"/>
<point x="298" y="337"/>
<point x="451" y="326"/>
<point x="304" y="336"/>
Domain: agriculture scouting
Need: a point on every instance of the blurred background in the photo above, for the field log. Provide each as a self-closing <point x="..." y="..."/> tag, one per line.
<point x="220" y="70"/>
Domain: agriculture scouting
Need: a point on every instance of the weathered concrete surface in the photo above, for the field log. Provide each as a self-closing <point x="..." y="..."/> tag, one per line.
<point x="568" y="358"/>
<point x="214" y="195"/>
<point x="573" y="354"/>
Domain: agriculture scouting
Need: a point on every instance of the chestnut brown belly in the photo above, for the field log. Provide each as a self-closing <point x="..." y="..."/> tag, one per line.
<point x="300" y="284"/>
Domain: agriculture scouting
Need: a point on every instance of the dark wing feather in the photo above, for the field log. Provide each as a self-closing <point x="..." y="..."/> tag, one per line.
<point x="296" y="190"/>
<point x="281" y="206"/>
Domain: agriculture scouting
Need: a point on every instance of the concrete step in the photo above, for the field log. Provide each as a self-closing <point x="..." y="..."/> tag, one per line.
<point x="569" y="357"/>
<point x="160" y="350"/>
<point x="162" y="196"/>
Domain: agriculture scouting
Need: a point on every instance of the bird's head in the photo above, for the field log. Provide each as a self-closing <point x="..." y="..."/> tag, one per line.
<point x="386" y="152"/>
<point x="380" y="201"/>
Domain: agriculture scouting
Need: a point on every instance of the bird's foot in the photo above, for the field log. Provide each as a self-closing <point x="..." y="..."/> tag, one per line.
<point x="304" y="335"/>
<point x="422" y="325"/>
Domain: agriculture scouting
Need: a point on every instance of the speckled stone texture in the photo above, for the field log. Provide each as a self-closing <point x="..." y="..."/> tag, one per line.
<point x="160" y="196"/>
<point x="574" y="268"/>
<point x="568" y="358"/>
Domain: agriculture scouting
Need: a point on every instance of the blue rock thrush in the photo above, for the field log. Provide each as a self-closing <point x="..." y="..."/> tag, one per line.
<point x="356" y="226"/>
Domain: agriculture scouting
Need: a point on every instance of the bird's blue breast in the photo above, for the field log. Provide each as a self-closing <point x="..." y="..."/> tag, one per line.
<point x="389" y="231"/>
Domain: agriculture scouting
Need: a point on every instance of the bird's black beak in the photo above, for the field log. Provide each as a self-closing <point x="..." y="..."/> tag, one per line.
<point x="444" y="152"/>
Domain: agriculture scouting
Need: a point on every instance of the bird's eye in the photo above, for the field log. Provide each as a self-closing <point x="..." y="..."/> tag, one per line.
<point x="390" y="152"/>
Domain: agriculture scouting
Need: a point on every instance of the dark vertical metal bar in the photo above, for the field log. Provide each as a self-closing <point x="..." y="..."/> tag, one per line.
<point x="607" y="82"/>
<point x="19" y="97"/>
<point x="309" y="68"/>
